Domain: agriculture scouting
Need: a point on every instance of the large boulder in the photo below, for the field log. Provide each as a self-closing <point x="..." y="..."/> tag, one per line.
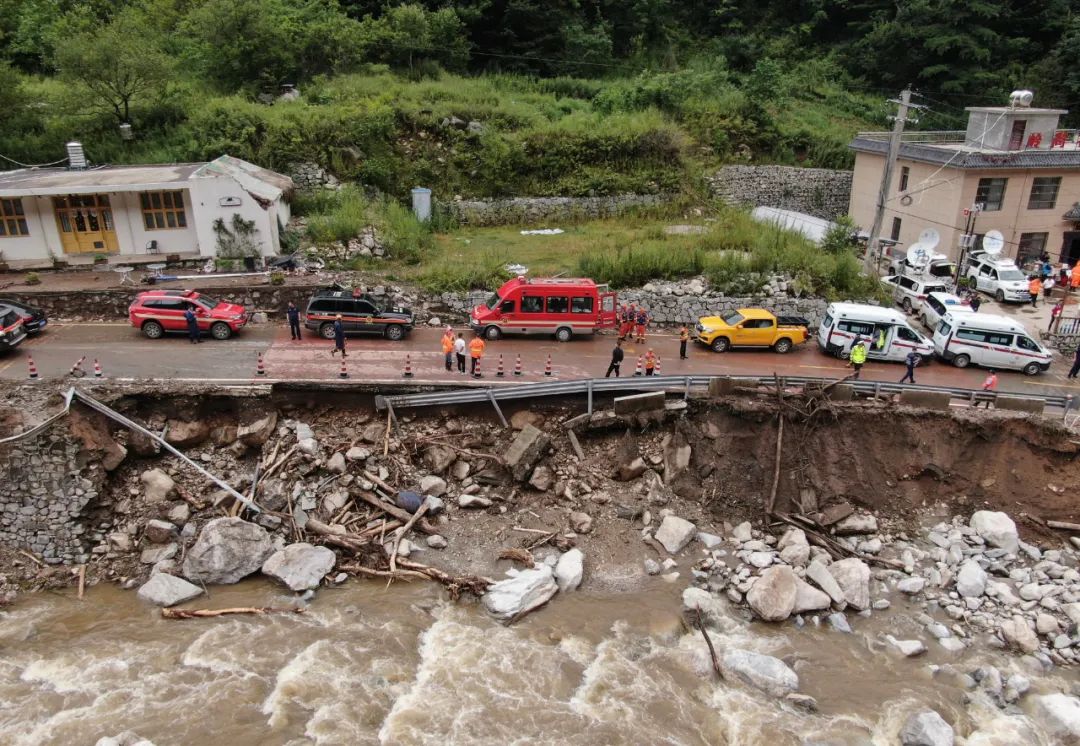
<point x="809" y="598"/>
<point x="763" y="672"/>
<point x="158" y="487"/>
<point x="258" y="432"/>
<point x="675" y="533"/>
<point x="519" y="594"/>
<point x="300" y="566"/>
<point x="997" y="529"/>
<point x="772" y="597"/>
<point x="1059" y="714"/>
<point x="853" y="577"/>
<point x="1018" y="633"/>
<point x="569" y="570"/>
<point x="525" y="451"/>
<point x="820" y="575"/>
<point x="628" y="462"/>
<point x="227" y="550"/>
<point x="181" y="433"/>
<point x="677" y="454"/>
<point x="167" y="590"/>
<point x="926" y="728"/>
<point x="971" y="580"/>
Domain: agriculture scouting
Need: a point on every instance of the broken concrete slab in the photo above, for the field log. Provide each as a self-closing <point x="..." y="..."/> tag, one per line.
<point x="721" y="386"/>
<point x="525" y="451"/>
<point x="1016" y="404"/>
<point x="650" y="401"/>
<point x="925" y="399"/>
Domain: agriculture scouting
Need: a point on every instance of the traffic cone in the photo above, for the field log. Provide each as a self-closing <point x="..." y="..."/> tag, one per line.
<point x="76" y="369"/>
<point x="32" y="367"/>
<point x="517" y="365"/>
<point x="637" y="368"/>
<point x="499" y="373"/>
<point x="97" y="368"/>
<point x="547" y="366"/>
<point x="408" y="365"/>
<point x="476" y="370"/>
<point x="344" y="373"/>
<point x="657" y="371"/>
<point x="260" y="369"/>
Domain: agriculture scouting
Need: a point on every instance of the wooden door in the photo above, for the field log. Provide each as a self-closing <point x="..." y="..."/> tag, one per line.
<point x="86" y="224"/>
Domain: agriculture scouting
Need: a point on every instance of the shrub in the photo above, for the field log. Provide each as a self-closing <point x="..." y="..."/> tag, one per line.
<point x="32" y="278"/>
<point x="456" y="274"/>
<point x="636" y="266"/>
<point x="405" y="237"/>
<point x="277" y="278"/>
<point x="343" y="217"/>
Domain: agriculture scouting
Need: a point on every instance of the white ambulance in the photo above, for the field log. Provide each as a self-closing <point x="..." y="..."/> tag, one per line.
<point x="990" y="341"/>
<point x="886" y="330"/>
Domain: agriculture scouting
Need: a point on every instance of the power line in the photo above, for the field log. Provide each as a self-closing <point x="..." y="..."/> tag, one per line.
<point x="33" y="165"/>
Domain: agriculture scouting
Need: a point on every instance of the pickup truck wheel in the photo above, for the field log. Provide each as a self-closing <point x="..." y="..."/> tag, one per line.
<point x="1032" y="369"/>
<point x="153" y="330"/>
<point x="394" y="332"/>
<point x="961" y="361"/>
<point x="782" y="346"/>
<point x="326" y="331"/>
<point x="492" y="333"/>
<point x="999" y="296"/>
<point x="220" y="330"/>
<point x="721" y="344"/>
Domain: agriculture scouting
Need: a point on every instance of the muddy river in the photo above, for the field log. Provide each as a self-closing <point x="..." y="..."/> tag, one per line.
<point x="371" y="665"/>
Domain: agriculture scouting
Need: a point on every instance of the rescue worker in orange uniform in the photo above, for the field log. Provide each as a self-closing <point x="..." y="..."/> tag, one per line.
<point x="628" y="315"/>
<point x="1035" y="288"/>
<point x="989" y="386"/>
<point x="1074" y="277"/>
<point x="640" y="322"/>
<point x="448" y="348"/>
<point x="650" y="362"/>
<point x="476" y="351"/>
<point x="684" y="337"/>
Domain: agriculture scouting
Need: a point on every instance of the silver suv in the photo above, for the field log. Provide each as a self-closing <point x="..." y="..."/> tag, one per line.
<point x="1000" y="278"/>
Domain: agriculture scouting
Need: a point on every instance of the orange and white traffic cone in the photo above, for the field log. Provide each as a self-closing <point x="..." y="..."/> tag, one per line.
<point x="408" y="366"/>
<point x="32" y="368"/>
<point x="517" y="365"/>
<point x="656" y="372"/>
<point x="547" y="366"/>
<point x="76" y="369"/>
<point x="476" y="369"/>
<point x="97" y="368"/>
<point x="499" y="373"/>
<point x="260" y="369"/>
<point x="637" y="368"/>
<point x="344" y="373"/>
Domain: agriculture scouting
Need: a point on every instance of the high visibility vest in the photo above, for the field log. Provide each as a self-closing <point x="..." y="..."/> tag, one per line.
<point x="858" y="354"/>
<point x="447" y="344"/>
<point x="684" y="335"/>
<point x="476" y="347"/>
<point x="650" y="360"/>
<point x="1034" y="287"/>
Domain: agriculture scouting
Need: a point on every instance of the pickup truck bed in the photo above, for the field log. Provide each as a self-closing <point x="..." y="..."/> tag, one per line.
<point x="793" y="321"/>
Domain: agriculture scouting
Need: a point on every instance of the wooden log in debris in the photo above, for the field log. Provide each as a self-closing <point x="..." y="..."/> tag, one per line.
<point x="708" y="641"/>
<point x="202" y="613"/>
<point x="1064" y="525"/>
<point x="402" y="515"/>
<point x="407" y="570"/>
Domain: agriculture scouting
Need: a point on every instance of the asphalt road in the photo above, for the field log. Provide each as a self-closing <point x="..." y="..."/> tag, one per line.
<point x="125" y="353"/>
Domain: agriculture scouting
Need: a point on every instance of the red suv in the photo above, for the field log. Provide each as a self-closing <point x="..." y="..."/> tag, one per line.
<point x="159" y="311"/>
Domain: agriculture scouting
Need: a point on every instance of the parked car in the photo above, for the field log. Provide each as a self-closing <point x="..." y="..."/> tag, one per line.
<point x="887" y="330"/>
<point x="33" y="318"/>
<point x="938" y="304"/>
<point x="12" y="329"/>
<point x="563" y="306"/>
<point x="1000" y="278"/>
<point x="991" y="341"/>
<point x="157" y="312"/>
<point x="911" y="292"/>
<point x="360" y="314"/>
<point x="751" y="327"/>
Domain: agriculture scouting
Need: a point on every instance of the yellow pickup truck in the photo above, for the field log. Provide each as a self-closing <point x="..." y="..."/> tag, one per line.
<point x="751" y="327"/>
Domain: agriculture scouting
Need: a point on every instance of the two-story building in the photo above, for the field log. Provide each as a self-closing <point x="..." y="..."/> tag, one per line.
<point x="121" y="212"/>
<point x="1012" y="161"/>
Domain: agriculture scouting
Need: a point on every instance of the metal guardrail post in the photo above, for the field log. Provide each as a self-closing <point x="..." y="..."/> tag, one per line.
<point x="590" y="395"/>
<point x="1068" y="406"/>
<point x="686" y="388"/>
<point x="498" y="411"/>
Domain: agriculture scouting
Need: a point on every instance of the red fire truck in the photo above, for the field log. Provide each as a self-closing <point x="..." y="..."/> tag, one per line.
<point x="560" y="306"/>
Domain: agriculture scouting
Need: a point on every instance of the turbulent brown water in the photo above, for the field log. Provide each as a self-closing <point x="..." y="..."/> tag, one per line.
<point x="370" y="665"/>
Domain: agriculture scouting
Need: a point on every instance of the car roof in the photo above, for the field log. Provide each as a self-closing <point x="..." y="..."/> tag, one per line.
<point x="947" y="299"/>
<point x="169" y="294"/>
<point x="860" y="311"/>
<point x="754" y="313"/>
<point x="990" y="322"/>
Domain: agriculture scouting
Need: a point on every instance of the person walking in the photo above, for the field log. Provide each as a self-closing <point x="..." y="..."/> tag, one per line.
<point x="292" y="313"/>
<point x="339" y="337"/>
<point x="192" y="326"/>
<point x="684" y="337"/>
<point x="617" y="355"/>
<point x="1055" y="314"/>
<point x="911" y="361"/>
<point x="640" y="323"/>
<point x="1034" y="288"/>
<point x="448" y="348"/>
<point x="1075" y="367"/>
<point x="976" y="301"/>
<point x="459" y="352"/>
<point x="1048" y="288"/>
<point x="857" y="357"/>
<point x="476" y="351"/>
<point x="650" y="362"/>
<point x="990" y="386"/>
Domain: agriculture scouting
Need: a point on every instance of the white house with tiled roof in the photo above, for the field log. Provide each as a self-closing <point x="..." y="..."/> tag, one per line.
<point x="62" y="214"/>
<point x="1014" y="161"/>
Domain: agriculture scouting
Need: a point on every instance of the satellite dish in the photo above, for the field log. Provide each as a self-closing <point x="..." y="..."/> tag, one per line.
<point x="921" y="252"/>
<point x="993" y="242"/>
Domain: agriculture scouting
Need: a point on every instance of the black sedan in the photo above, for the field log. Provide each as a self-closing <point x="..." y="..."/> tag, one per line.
<point x="33" y="318"/>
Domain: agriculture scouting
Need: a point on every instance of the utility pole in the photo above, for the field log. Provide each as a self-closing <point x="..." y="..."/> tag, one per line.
<point x="873" y="246"/>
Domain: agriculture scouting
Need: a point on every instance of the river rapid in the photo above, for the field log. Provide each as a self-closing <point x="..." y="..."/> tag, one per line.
<point x="374" y="665"/>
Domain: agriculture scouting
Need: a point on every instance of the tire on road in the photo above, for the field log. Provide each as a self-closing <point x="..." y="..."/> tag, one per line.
<point x="153" y="330"/>
<point x="961" y="361"/>
<point x="999" y="296"/>
<point x="326" y="331"/>
<point x="564" y="334"/>
<point x="220" y="330"/>
<point x="492" y="333"/>
<point x="720" y="344"/>
<point x="1032" y="369"/>
<point x="782" y="346"/>
<point x="394" y="332"/>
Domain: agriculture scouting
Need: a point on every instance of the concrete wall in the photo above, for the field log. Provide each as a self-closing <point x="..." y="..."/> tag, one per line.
<point x="823" y="193"/>
<point x="208" y="194"/>
<point x="549" y="211"/>
<point x="132" y="233"/>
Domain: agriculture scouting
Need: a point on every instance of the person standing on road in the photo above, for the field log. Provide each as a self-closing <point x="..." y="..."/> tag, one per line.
<point x="976" y="301"/>
<point x="911" y="361"/>
<point x="192" y="325"/>
<point x="684" y="337"/>
<point x="459" y="352"/>
<point x="640" y="323"/>
<point x="448" y="348"/>
<point x="339" y="337"/>
<point x="1048" y="287"/>
<point x="989" y="386"/>
<point x="1076" y="365"/>
<point x="292" y="313"/>
<point x="1034" y="288"/>
<point x="650" y="362"/>
<point x="857" y="357"/>
<point x="616" y="359"/>
<point x="1055" y="314"/>
<point x="476" y="351"/>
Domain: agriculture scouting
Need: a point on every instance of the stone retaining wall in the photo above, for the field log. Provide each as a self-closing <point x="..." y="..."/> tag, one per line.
<point x="822" y="192"/>
<point x="531" y="211"/>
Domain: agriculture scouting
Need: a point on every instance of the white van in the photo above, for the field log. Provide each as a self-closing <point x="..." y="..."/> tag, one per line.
<point x="989" y="340"/>
<point x="937" y="305"/>
<point x="888" y="332"/>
